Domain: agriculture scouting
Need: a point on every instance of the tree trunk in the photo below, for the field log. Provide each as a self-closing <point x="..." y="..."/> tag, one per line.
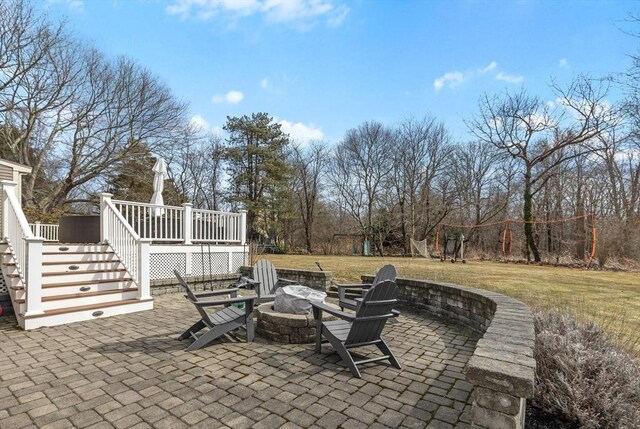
<point x="581" y="233"/>
<point x="307" y="237"/>
<point x="406" y="244"/>
<point x="528" y="218"/>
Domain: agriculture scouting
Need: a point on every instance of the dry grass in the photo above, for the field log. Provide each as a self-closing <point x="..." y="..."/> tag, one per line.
<point x="612" y="299"/>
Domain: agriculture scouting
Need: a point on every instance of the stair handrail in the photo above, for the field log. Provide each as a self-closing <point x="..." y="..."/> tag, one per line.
<point x="25" y="248"/>
<point x="132" y="250"/>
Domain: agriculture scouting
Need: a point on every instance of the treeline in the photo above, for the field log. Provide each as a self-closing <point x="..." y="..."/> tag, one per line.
<point x="547" y="167"/>
<point x="87" y="123"/>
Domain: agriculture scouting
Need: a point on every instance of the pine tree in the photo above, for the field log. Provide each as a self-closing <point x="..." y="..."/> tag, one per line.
<point x="258" y="171"/>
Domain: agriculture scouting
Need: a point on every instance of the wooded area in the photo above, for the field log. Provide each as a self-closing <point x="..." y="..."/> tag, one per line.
<point x="86" y="123"/>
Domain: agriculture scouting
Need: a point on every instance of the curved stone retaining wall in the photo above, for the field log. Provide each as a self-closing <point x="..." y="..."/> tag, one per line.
<point x="502" y="368"/>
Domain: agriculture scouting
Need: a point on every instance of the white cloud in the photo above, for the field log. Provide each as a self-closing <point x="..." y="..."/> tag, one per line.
<point x="300" y="132"/>
<point x="491" y="67"/>
<point x="207" y="9"/>
<point x="294" y="10"/>
<point x="75" y="5"/>
<point x="231" y="97"/>
<point x="563" y="63"/>
<point x="338" y="16"/>
<point x="509" y="78"/>
<point x="454" y="79"/>
<point x="297" y="12"/>
<point x="449" y="79"/>
<point x="200" y="123"/>
<point x="539" y="121"/>
<point x="264" y="83"/>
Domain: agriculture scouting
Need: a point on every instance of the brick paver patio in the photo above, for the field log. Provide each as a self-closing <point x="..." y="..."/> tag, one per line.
<point x="130" y="371"/>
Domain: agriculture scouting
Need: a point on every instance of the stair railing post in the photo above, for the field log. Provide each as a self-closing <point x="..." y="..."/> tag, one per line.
<point x="243" y="227"/>
<point x="187" y="221"/>
<point x="7" y="186"/>
<point x="33" y="276"/>
<point x="38" y="229"/>
<point x="144" y="281"/>
<point x="104" y="224"/>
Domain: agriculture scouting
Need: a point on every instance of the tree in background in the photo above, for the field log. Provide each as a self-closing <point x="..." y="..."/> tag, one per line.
<point x="361" y="165"/>
<point x="419" y="157"/>
<point x="309" y="165"/>
<point x="259" y="174"/>
<point x="71" y="114"/>
<point x="481" y="192"/>
<point x="541" y="138"/>
<point x="197" y="168"/>
<point x="132" y="180"/>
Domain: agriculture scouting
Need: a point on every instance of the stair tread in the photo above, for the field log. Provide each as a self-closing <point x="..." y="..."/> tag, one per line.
<point x="113" y="261"/>
<point x="62" y="273"/>
<point x="87" y="282"/>
<point x="78" y="253"/>
<point x="86" y="307"/>
<point x="82" y="294"/>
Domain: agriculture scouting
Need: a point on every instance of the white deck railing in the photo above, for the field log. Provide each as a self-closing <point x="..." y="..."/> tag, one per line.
<point x="129" y="247"/>
<point x="48" y="231"/>
<point x="25" y="249"/>
<point x="212" y="226"/>
<point x="183" y="224"/>
<point x="155" y="222"/>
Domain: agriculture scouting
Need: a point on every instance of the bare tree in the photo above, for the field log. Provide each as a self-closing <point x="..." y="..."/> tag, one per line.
<point x="26" y="40"/>
<point x="309" y="166"/>
<point x="476" y="168"/>
<point x="361" y="163"/>
<point x="420" y="152"/>
<point x="198" y="167"/>
<point x="528" y="130"/>
<point x="71" y="114"/>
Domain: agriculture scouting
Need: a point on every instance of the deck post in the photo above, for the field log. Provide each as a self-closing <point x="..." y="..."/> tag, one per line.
<point x="104" y="227"/>
<point x="7" y="186"/>
<point x="144" y="282"/>
<point x="243" y="227"/>
<point x="33" y="276"/>
<point x="38" y="232"/>
<point x="187" y="222"/>
<point x="188" y="259"/>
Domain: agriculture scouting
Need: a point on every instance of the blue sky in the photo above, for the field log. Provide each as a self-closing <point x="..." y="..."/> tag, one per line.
<point x="324" y="66"/>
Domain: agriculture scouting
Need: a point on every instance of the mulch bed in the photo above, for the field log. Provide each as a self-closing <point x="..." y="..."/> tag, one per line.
<point x="537" y="418"/>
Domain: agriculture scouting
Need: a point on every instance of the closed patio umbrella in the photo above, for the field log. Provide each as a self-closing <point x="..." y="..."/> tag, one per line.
<point x="160" y="168"/>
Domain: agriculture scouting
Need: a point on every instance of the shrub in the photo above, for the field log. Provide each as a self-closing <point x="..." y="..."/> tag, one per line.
<point x="279" y="250"/>
<point x="582" y="376"/>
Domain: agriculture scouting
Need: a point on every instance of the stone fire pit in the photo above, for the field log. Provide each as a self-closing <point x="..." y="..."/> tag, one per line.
<point x="287" y="328"/>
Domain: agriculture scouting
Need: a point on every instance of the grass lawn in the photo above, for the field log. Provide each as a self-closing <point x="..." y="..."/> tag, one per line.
<point x="610" y="298"/>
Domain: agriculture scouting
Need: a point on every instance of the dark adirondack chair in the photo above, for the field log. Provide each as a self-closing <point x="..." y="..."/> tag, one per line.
<point x="359" y="330"/>
<point x="388" y="272"/>
<point x="265" y="281"/>
<point x="226" y="318"/>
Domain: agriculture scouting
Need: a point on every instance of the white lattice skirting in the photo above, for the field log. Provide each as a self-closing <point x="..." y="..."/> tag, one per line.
<point x="195" y="261"/>
<point x="3" y="286"/>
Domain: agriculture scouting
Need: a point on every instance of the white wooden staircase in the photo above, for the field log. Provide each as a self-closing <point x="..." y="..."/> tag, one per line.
<point x="79" y="282"/>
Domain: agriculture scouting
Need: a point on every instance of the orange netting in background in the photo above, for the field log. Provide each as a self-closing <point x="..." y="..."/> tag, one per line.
<point x="507" y="232"/>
